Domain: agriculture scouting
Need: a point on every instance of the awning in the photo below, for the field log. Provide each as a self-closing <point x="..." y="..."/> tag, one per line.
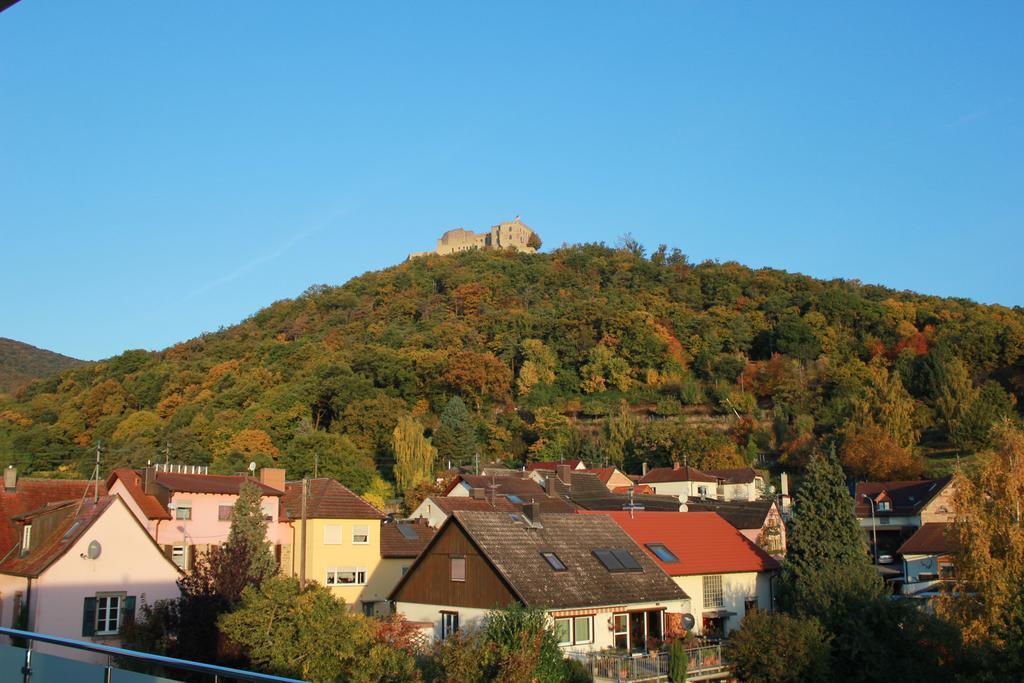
<point x="717" y="614"/>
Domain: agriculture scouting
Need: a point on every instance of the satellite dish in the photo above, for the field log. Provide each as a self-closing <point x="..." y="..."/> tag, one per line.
<point x="252" y="466"/>
<point x="689" y="622"/>
<point x="683" y="507"/>
<point x="94" y="550"/>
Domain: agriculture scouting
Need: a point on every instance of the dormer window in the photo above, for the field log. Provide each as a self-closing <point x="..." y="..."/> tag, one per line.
<point x="26" y="538"/>
<point x="884" y="506"/>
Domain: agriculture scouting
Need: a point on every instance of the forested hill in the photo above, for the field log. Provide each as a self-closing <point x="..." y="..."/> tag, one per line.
<point x="608" y="354"/>
<point x="21" y="363"/>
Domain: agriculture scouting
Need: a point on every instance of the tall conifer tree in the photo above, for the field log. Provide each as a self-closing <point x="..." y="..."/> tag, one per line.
<point x="454" y="438"/>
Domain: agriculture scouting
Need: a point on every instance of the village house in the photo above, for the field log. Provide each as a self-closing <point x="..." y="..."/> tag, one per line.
<point x="401" y="542"/>
<point x="725" y="575"/>
<point x="80" y="569"/>
<point x="339" y="535"/>
<point x="435" y="510"/>
<point x="928" y="558"/>
<point x="599" y="589"/>
<point x="892" y="511"/>
<point x="518" y="489"/>
<point x="739" y="483"/>
<point x="187" y="511"/>
<point x="613" y="478"/>
<point x="682" y="481"/>
<point x="760" y="521"/>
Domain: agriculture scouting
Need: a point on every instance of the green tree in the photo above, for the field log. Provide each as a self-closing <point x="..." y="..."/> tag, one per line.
<point x="779" y="648"/>
<point x="827" y="567"/>
<point x="454" y="439"/>
<point x="974" y="428"/>
<point x="538" y="366"/>
<point x="414" y="456"/>
<point x="678" y="662"/>
<point x="248" y="535"/>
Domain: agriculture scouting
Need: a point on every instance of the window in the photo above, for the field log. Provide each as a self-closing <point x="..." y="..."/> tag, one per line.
<point x="458" y="569"/>
<point x="620" y="631"/>
<point x="368" y="609"/>
<point x="449" y="623"/>
<point x="346" y="576"/>
<point x="713" y="591"/>
<point x="408" y="531"/>
<point x="582" y="630"/>
<point x="224" y="512"/>
<point x="702" y="491"/>
<point x="26" y="538"/>
<point x="884" y="506"/>
<point x="183" y="510"/>
<point x="662" y="552"/>
<point x="178" y="556"/>
<point x="332" y="534"/>
<point x="108" y="613"/>
<point x="405" y="569"/>
<point x="514" y="499"/>
<point x="360" y="534"/>
<point x="268" y="510"/>
<point x="750" y="605"/>
<point x="617" y="560"/>
<point x="563" y="631"/>
<point x="553" y="560"/>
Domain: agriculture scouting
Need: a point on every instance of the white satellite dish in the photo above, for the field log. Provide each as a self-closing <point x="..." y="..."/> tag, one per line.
<point x="94" y="550"/>
<point x="252" y="466"/>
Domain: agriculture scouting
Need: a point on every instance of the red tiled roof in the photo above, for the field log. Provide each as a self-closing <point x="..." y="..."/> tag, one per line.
<point x="210" y="483"/>
<point x="132" y="481"/>
<point x="736" y="475"/>
<point x="603" y="473"/>
<point x="62" y="537"/>
<point x="639" y="489"/>
<point x="395" y="544"/>
<point x="933" y="538"/>
<point x="906" y="497"/>
<point x="31" y="494"/>
<point x="327" y="499"/>
<point x="552" y="464"/>
<point x="703" y="541"/>
<point x="661" y="475"/>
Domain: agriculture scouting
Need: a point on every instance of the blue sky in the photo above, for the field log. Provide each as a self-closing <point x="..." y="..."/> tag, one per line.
<point x="168" y="168"/>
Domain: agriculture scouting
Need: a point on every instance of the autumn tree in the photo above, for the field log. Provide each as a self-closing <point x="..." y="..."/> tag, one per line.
<point x="538" y="366"/>
<point x="454" y="438"/>
<point x="414" y="456"/>
<point x="870" y="452"/>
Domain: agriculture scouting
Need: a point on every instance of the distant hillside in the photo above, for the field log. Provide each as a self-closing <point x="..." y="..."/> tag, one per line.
<point x="587" y="351"/>
<point x="21" y="363"/>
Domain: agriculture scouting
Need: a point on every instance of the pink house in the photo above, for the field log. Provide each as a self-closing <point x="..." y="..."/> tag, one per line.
<point x="186" y="513"/>
<point x="80" y="569"/>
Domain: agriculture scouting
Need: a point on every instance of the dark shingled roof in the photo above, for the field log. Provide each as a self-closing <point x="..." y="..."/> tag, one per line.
<point x="449" y="504"/>
<point x="513" y="548"/>
<point x="933" y="538"/>
<point x="210" y="483"/>
<point x="31" y="494"/>
<point x="327" y="499"/>
<point x="736" y="475"/>
<point x="907" y="497"/>
<point x="741" y="514"/>
<point x="661" y="475"/>
<point x="618" y="501"/>
<point x="581" y="484"/>
<point x="504" y="485"/>
<point x="395" y="544"/>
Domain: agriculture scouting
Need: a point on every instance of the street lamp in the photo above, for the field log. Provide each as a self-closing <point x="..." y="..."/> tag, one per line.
<point x="874" y="530"/>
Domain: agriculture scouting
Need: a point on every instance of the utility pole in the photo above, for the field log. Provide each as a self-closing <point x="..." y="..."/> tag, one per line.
<point x="96" y="476"/>
<point x="167" y="453"/>
<point x="302" y="542"/>
<point x="316" y="465"/>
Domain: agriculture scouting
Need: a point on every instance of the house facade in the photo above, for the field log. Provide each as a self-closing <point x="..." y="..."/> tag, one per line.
<point x="682" y="481"/>
<point x="187" y="512"/>
<point x="725" y="575"/>
<point x="598" y="588"/>
<point x="929" y="559"/>
<point x="740" y="484"/>
<point x="759" y="521"/>
<point x="81" y="570"/>
<point x="891" y="511"/>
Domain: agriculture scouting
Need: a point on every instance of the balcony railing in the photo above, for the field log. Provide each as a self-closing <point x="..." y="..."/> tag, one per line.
<point x="706" y="664"/>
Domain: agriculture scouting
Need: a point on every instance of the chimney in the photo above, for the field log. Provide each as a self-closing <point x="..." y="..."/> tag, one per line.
<point x="149" y="481"/>
<point x="565" y="474"/>
<point x="477" y="493"/>
<point x="272" y="477"/>
<point x="532" y="512"/>
<point x="784" y="484"/>
<point x="10" y="478"/>
<point x="549" y="485"/>
<point x="643" y="469"/>
<point x="676" y="466"/>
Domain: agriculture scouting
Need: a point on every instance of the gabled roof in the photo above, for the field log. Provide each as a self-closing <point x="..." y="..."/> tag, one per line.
<point x="603" y="473"/>
<point x="741" y="514"/>
<point x="662" y="475"/>
<point x="933" y="538"/>
<point x="704" y="542"/>
<point x="176" y="482"/>
<point x="327" y="499"/>
<point x="581" y="484"/>
<point x="48" y="550"/>
<point x="513" y="549"/>
<point x="906" y="497"/>
<point x="552" y="465"/>
<point x="504" y="485"/>
<point x="400" y="539"/>
<point x="31" y="494"/>
<point x="449" y="504"/>
<point x="132" y="482"/>
<point x="736" y="475"/>
<point x="638" y="490"/>
<point x="618" y="501"/>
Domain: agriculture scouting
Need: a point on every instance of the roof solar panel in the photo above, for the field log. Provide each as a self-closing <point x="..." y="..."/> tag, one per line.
<point x="408" y="531"/>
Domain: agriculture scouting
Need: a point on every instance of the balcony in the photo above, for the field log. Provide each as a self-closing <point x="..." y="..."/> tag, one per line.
<point x="706" y="664"/>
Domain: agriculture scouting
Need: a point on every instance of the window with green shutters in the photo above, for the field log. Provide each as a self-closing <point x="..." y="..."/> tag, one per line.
<point x="105" y="614"/>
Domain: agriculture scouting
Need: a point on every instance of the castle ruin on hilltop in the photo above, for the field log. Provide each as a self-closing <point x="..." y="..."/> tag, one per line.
<point x="512" y="234"/>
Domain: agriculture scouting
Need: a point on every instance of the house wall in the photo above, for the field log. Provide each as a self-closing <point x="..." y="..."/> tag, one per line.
<point x="118" y="489"/>
<point x="430" y="583"/>
<point x="747" y="492"/>
<point x="736" y="588"/>
<point x="129" y="562"/>
<point x="618" y="479"/>
<point x="10" y="586"/>
<point x="940" y="508"/>
<point x="429" y="511"/>
<point x="207" y="528"/>
<point x="321" y="556"/>
<point x="685" y="488"/>
<point x="389" y="572"/>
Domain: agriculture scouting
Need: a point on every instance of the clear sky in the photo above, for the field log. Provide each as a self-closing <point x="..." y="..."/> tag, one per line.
<point x="167" y="168"/>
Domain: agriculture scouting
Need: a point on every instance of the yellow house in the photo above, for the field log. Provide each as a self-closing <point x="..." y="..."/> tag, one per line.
<point x="339" y="542"/>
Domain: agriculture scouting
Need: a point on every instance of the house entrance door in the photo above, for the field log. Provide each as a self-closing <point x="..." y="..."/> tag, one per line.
<point x="638" y="631"/>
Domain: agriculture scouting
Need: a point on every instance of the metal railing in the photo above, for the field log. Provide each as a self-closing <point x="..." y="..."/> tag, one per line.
<point x="219" y="673"/>
<point x="704" y="664"/>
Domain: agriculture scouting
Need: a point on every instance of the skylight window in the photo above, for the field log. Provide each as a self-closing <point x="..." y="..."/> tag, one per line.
<point x="408" y="531"/>
<point x="554" y="561"/>
<point x="514" y="499"/>
<point x="617" y="560"/>
<point x="662" y="552"/>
